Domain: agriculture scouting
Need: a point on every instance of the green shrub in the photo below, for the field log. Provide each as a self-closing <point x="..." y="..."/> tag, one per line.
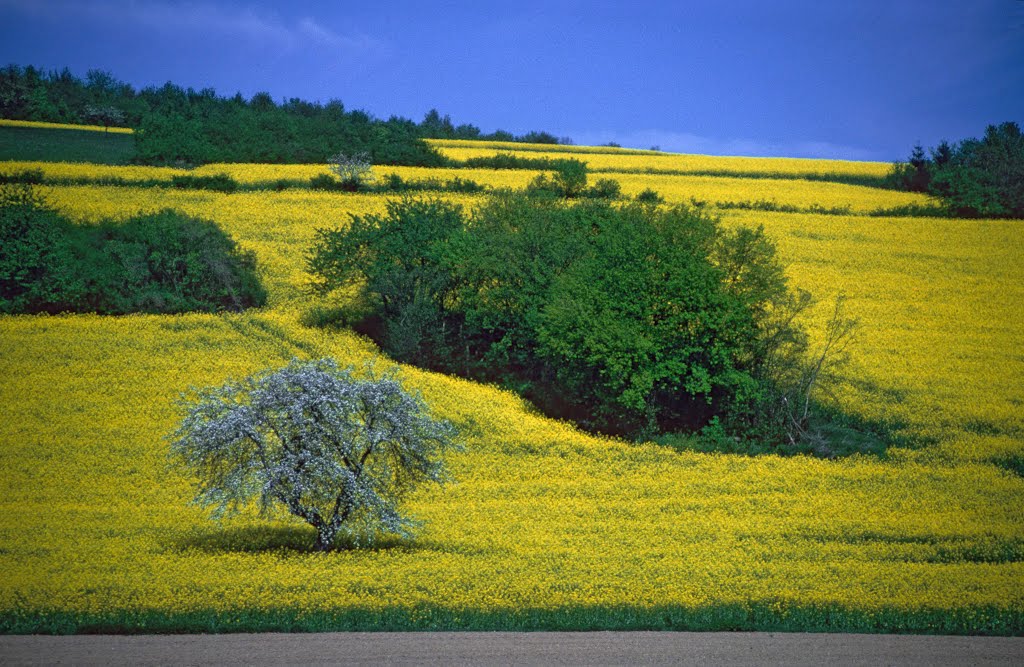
<point x="401" y="259"/>
<point x="163" y="262"/>
<point x="38" y="257"/>
<point x="649" y="196"/>
<point x="605" y="188"/>
<point x="629" y="319"/>
<point x="568" y="181"/>
<point x="216" y="182"/>
<point x="29" y="176"/>
<point x="324" y="182"/>
<point x="512" y="161"/>
<point x="974" y="178"/>
<point x="463" y="185"/>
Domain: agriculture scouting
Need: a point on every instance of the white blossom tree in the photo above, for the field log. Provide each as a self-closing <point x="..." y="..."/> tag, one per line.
<point x="105" y="115"/>
<point x="335" y="450"/>
<point x="354" y="170"/>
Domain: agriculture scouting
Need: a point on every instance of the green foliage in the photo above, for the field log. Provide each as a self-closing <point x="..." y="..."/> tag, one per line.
<point x="714" y="616"/>
<point x="29" y="176"/>
<point x="395" y="183"/>
<point x="649" y="196"/>
<point x="162" y="262"/>
<point x="324" y="182"/>
<point x="217" y="182"/>
<point x="513" y="161"/>
<point x="400" y="258"/>
<point x="171" y="139"/>
<point x="37" y="261"/>
<point x="628" y="319"/>
<point x="568" y="181"/>
<point x="605" y="188"/>
<point x="189" y="128"/>
<point x="974" y="178"/>
<point x="337" y="451"/>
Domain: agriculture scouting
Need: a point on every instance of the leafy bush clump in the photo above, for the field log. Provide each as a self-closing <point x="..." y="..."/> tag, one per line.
<point x="28" y="176"/>
<point x="627" y="319"/>
<point x="974" y="178"/>
<point x="335" y="450"/>
<point x="649" y="196"/>
<point x="216" y="182"/>
<point x="569" y="181"/>
<point x="395" y="183"/>
<point x="164" y="262"/>
<point x="324" y="182"/>
<point x="605" y="188"/>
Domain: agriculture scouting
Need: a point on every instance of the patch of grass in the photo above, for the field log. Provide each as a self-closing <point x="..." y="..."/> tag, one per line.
<point x="769" y="205"/>
<point x="53" y="145"/>
<point x="761" y="616"/>
<point x="913" y="211"/>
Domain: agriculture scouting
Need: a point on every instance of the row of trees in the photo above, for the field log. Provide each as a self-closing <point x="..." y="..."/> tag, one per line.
<point x="975" y="177"/>
<point x="184" y="125"/>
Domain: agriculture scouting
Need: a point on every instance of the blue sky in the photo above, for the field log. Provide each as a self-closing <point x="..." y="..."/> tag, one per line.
<point x="856" y="79"/>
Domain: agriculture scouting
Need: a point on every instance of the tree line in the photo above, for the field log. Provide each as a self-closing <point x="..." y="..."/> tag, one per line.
<point x="975" y="178"/>
<point x="186" y="126"/>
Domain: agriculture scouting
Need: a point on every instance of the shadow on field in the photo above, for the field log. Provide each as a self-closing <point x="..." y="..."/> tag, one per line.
<point x="219" y="539"/>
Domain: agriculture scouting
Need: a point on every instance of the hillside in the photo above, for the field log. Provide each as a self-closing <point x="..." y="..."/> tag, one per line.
<point x="546" y="526"/>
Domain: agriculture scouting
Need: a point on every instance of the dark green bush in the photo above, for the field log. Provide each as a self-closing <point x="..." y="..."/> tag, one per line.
<point x="605" y="188"/>
<point x="403" y="259"/>
<point x="216" y="182"/>
<point x="163" y="262"/>
<point x="211" y="129"/>
<point x="512" y="161"/>
<point x="324" y="182"/>
<point x="395" y="183"/>
<point x="628" y="319"/>
<point x="38" y="255"/>
<point x="974" y="178"/>
<point x="568" y="181"/>
<point x="30" y="176"/>
<point x="649" y="196"/>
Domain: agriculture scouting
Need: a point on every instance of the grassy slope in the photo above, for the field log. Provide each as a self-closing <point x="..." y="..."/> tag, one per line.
<point x="547" y="527"/>
<point x="63" y="145"/>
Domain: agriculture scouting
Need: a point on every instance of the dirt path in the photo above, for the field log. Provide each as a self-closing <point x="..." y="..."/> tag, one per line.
<point x="505" y="648"/>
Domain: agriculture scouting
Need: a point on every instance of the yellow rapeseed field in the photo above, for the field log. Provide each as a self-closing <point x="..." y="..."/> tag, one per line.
<point x="674" y="188"/>
<point x="258" y="174"/>
<point x="64" y="126"/>
<point x="544" y="521"/>
<point x="619" y="160"/>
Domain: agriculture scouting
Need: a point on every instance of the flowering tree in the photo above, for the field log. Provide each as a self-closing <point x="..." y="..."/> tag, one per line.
<point x="353" y="169"/>
<point x="105" y="115"/>
<point x="336" y="451"/>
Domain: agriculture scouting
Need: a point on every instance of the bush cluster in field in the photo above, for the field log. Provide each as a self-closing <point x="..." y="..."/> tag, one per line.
<point x="163" y="262"/>
<point x="975" y="178"/>
<point x="627" y="319"/>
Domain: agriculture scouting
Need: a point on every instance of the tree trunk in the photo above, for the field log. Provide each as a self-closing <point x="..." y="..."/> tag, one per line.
<point x="324" y="537"/>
